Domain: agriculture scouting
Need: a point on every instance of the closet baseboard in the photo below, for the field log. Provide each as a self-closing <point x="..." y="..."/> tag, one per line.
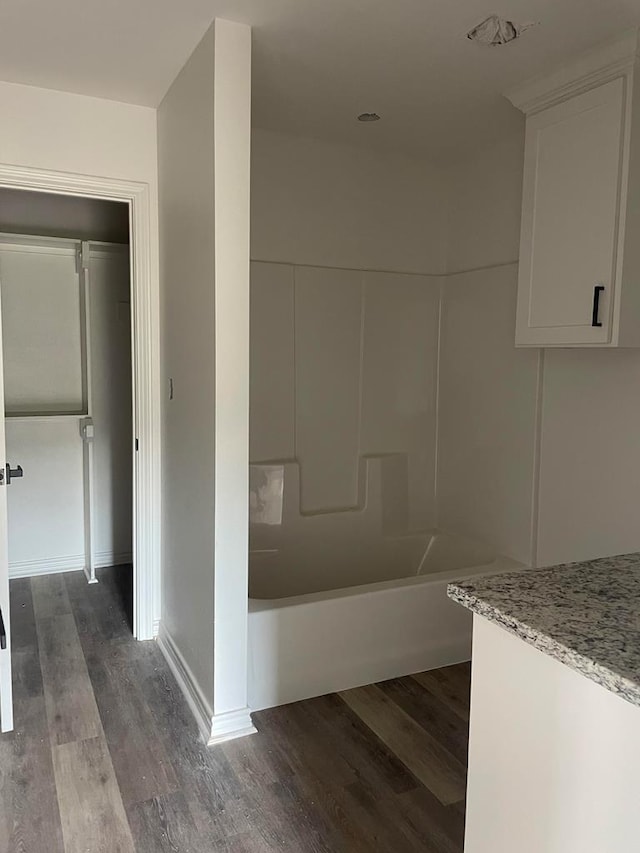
<point x="74" y="563"/>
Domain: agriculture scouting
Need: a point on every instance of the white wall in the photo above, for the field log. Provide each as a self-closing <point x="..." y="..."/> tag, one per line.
<point x="489" y="403"/>
<point x="232" y="124"/>
<point x="584" y="426"/>
<point x="46" y="129"/>
<point x="487" y="414"/>
<point x="589" y="455"/>
<point x="485" y="200"/>
<point x="63" y="216"/>
<point x="41" y="328"/>
<point x="45" y="508"/>
<point x="204" y="136"/>
<point x="332" y="205"/>
<point x="187" y="233"/>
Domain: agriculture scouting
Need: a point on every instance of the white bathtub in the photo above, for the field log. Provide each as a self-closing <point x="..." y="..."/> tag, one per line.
<point x="330" y="624"/>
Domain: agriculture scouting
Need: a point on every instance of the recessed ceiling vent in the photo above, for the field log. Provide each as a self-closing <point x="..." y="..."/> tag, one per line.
<point x="495" y="31"/>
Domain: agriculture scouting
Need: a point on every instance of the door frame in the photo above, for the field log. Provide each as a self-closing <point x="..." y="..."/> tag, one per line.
<point x="145" y="356"/>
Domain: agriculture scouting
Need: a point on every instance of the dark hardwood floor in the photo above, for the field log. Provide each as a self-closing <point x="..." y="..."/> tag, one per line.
<point x="106" y="758"/>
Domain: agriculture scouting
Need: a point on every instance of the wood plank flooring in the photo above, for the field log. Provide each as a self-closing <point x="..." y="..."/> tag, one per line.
<point x="106" y="758"/>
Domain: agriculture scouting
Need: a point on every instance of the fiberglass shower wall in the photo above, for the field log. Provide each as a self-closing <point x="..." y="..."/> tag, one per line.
<point x="343" y="409"/>
<point x="348" y="246"/>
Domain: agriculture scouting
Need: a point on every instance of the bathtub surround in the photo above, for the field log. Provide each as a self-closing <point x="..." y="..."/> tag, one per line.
<point x="382" y="408"/>
<point x="417" y="364"/>
<point x="295" y="552"/>
<point x="344" y="367"/>
<point x="345" y="597"/>
<point x="344" y="330"/>
<point x="204" y="136"/>
<point x="411" y="384"/>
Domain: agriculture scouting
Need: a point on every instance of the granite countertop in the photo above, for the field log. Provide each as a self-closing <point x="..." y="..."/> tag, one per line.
<point x="586" y="615"/>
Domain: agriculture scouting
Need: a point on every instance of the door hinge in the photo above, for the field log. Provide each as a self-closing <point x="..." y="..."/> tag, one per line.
<point x="137" y="445"/>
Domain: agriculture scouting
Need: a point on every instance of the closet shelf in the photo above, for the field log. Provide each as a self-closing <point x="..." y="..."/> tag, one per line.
<point x="41" y="416"/>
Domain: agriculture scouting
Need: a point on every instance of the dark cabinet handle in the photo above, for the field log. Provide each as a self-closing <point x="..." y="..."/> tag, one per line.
<point x="3" y="633"/>
<point x="597" y="290"/>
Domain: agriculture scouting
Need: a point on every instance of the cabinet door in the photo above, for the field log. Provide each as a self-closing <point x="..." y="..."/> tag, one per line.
<point x="571" y="206"/>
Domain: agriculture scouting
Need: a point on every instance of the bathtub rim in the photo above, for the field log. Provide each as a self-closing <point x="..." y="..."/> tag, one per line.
<point x="497" y="566"/>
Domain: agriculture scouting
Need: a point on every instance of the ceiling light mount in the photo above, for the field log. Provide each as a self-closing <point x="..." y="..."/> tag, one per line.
<point x="368" y="117"/>
<point x="495" y="31"/>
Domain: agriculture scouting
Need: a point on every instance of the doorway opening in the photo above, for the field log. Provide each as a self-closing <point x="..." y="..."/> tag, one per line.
<point x="66" y="314"/>
<point x="130" y="489"/>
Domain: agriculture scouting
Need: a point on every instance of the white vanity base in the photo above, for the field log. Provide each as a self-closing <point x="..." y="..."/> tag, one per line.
<point x="554" y="758"/>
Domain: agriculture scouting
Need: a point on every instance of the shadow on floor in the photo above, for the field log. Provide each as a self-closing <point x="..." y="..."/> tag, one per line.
<point x="120" y="581"/>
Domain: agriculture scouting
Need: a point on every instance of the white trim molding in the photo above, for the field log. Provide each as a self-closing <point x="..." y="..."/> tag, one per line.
<point x="231" y="725"/>
<point x="609" y="61"/>
<point x="213" y="729"/>
<point x="187" y="683"/>
<point x="72" y="563"/>
<point x="145" y="328"/>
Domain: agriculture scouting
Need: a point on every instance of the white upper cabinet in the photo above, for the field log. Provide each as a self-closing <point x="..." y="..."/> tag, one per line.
<point x="572" y="198"/>
<point x="579" y="278"/>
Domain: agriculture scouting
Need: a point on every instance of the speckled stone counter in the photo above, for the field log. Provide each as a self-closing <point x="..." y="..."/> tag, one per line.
<point x="586" y="615"/>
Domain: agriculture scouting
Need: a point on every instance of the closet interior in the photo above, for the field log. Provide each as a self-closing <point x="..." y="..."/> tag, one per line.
<point x="66" y="319"/>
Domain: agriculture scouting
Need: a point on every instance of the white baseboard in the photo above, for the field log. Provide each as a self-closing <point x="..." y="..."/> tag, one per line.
<point x="233" y="724"/>
<point x="156" y="628"/>
<point x="90" y="575"/>
<point x="187" y="683"/>
<point x="213" y="728"/>
<point x="74" y="563"/>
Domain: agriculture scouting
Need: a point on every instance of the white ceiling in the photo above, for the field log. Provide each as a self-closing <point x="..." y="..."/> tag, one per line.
<point x="317" y="63"/>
